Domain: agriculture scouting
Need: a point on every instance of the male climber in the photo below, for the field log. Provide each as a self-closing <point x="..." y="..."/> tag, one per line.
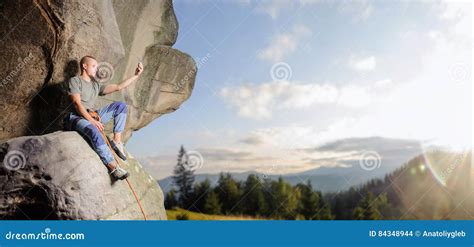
<point x="83" y="91"/>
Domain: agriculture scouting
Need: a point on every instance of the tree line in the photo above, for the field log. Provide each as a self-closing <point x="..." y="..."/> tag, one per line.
<point x="266" y="198"/>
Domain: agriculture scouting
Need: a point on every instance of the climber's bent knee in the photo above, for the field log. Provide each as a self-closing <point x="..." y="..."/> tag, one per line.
<point x="92" y="135"/>
<point x="120" y="116"/>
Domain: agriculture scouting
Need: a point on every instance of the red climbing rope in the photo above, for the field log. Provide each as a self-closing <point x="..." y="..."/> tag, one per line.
<point x="96" y="116"/>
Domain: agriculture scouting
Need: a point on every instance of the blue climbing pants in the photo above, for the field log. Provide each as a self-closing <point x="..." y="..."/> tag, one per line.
<point x="116" y="111"/>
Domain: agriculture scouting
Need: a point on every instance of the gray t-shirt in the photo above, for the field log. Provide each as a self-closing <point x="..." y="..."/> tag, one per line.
<point x="89" y="90"/>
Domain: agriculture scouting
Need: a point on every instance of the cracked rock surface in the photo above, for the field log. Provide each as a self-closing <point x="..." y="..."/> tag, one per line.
<point x="43" y="41"/>
<point x="58" y="176"/>
<point x="46" y="173"/>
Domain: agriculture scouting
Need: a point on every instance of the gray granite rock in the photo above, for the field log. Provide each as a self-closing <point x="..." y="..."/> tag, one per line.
<point x="58" y="176"/>
<point x="42" y="42"/>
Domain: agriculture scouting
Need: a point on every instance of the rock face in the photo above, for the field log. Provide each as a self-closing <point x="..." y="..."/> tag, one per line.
<point x="41" y="44"/>
<point x="58" y="176"/>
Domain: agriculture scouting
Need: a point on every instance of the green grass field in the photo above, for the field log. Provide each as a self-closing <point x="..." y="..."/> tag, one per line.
<point x="175" y="213"/>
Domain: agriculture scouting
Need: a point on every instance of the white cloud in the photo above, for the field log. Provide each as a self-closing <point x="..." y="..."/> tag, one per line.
<point x="386" y="83"/>
<point x="367" y="12"/>
<point x="259" y="101"/>
<point x="452" y="10"/>
<point x="274" y="8"/>
<point x="282" y="150"/>
<point x="287" y="137"/>
<point x="436" y="104"/>
<point x="354" y="96"/>
<point x="360" y="10"/>
<point x="364" y="64"/>
<point x="218" y="159"/>
<point x="284" y="44"/>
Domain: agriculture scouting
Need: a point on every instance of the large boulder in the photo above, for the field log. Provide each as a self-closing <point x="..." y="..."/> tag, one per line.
<point x="58" y="176"/>
<point x="161" y="89"/>
<point x="43" y="40"/>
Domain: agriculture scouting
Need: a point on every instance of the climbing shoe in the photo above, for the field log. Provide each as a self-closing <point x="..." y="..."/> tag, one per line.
<point x="119" y="173"/>
<point x="118" y="148"/>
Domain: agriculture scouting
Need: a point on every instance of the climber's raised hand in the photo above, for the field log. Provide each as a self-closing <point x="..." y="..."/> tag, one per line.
<point x="139" y="69"/>
<point x="110" y="88"/>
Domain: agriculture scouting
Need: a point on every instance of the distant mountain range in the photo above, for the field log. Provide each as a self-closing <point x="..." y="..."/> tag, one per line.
<point x="376" y="157"/>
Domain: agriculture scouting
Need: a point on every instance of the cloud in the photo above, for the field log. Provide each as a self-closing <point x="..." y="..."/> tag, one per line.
<point x="159" y="166"/>
<point x="259" y="101"/>
<point x="218" y="159"/>
<point x="252" y="140"/>
<point x="364" y="64"/>
<point x="225" y="154"/>
<point x="355" y="96"/>
<point x="300" y="137"/>
<point x="439" y="98"/>
<point x="434" y="103"/>
<point x="359" y="10"/>
<point x="370" y="143"/>
<point x="274" y="8"/>
<point x="285" y="137"/>
<point x="214" y="160"/>
<point x="284" y="160"/>
<point x="452" y="10"/>
<point x="284" y="44"/>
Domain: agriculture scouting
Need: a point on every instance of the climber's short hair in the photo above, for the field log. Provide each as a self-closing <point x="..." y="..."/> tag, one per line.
<point x="84" y="60"/>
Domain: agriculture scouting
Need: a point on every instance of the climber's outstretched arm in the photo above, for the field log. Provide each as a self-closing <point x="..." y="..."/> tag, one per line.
<point x="117" y="87"/>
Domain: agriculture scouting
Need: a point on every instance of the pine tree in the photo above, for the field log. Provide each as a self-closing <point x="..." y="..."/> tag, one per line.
<point x="200" y="194"/>
<point x="212" y="204"/>
<point x="170" y="199"/>
<point x="254" y="200"/>
<point x="284" y="200"/>
<point x="367" y="208"/>
<point x="308" y="205"/>
<point x="324" y="208"/>
<point x="229" y="193"/>
<point x="183" y="179"/>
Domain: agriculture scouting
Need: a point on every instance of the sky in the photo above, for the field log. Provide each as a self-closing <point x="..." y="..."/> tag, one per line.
<point x="277" y="77"/>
